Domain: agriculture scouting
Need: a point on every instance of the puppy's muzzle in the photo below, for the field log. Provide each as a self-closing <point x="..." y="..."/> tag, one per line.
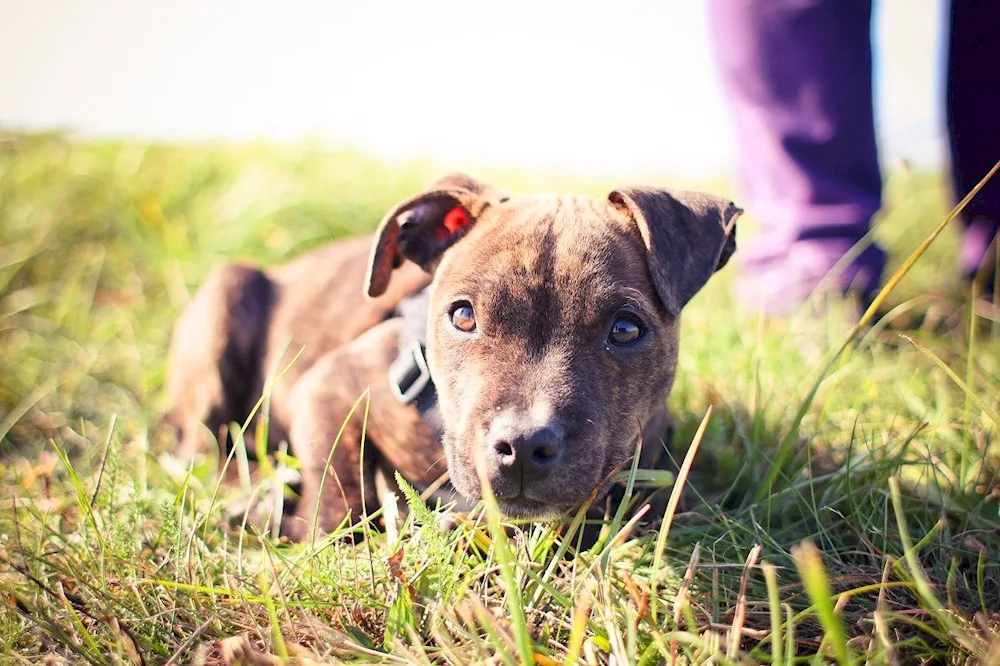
<point x="523" y="454"/>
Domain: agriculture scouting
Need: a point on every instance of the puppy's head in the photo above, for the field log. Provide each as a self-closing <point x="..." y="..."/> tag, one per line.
<point x="552" y="328"/>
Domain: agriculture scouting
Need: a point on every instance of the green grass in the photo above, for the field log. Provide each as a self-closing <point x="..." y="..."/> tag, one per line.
<point x="877" y="539"/>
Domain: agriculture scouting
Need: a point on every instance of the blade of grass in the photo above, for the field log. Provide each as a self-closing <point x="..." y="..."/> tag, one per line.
<point x="81" y="494"/>
<point x="923" y="587"/>
<point x="809" y="562"/>
<point x="104" y="459"/>
<point x="277" y="639"/>
<point x="970" y="394"/>
<point x="668" y="514"/>
<point x="739" y="617"/>
<point x="578" y="630"/>
<point x="774" y="605"/>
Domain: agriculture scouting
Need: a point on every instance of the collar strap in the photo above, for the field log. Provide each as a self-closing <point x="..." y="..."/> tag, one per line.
<point x="409" y="375"/>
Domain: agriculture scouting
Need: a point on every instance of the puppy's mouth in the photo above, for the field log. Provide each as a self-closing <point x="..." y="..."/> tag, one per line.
<point x="537" y="500"/>
<point x="526" y="508"/>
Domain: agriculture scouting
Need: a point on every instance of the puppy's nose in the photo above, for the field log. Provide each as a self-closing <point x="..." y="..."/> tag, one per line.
<point x="525" y="452"/>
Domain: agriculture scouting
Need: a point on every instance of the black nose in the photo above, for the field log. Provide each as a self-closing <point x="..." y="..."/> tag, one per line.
<point x="524" y="452"/>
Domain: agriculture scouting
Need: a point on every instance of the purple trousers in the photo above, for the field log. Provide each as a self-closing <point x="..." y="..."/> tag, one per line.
<point x="798" y="74"/>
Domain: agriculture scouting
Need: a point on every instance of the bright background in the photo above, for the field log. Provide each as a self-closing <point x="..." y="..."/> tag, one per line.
<point x="624" y="86"/>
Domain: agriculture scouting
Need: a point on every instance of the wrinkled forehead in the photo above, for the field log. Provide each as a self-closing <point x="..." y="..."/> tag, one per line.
<point x="578" y="247"/>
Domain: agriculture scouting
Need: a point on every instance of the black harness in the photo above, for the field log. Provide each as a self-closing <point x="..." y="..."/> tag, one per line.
<point x="409" y="377"/>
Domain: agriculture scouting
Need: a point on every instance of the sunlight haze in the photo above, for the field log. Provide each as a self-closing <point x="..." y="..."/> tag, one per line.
<point x="599" y="87"/>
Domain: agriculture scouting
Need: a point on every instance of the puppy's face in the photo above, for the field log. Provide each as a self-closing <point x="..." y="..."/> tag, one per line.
<point x="553" y="323"/>
<point x="550" y="350"/>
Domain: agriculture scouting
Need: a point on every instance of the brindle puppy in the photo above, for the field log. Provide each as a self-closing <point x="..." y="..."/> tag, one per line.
<point x="551" y="337"/>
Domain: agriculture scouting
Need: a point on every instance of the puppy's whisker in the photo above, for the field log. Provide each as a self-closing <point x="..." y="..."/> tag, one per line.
<point x="439" y="460"/>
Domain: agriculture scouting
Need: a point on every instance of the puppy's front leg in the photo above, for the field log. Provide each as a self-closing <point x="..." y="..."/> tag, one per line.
<point x="394" y="434"/>
<point x="334" y="481"/>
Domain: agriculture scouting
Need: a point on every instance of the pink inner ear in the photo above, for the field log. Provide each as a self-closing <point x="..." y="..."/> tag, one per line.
<point x="456" y="219"/>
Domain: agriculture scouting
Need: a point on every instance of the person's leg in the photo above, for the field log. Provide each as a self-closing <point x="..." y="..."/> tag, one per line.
<point x="798" y="74"/>
<point x="974" y="125"/>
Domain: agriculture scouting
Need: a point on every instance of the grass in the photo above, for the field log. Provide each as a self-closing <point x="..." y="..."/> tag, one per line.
<point x="860" y="525"/>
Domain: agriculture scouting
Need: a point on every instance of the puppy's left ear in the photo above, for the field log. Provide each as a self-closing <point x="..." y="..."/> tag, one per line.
<point x="688" y="236"/>
<point x="422" y="228"/>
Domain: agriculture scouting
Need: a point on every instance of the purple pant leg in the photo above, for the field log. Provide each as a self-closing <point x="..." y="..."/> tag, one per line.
<point x="974" y="123"/>
<point x="798" y="74"/>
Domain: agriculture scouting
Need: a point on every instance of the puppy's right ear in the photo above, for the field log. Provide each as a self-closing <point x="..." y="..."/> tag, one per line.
<point x="423" y="227"/>
<point x="688" y="236"/>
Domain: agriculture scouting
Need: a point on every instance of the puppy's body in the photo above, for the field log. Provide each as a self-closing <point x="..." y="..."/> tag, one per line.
<point x="246" y="325"/>
<point x="551" y="338"/>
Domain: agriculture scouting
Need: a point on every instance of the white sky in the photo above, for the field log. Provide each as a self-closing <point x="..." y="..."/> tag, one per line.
<point x="622" y="86"/>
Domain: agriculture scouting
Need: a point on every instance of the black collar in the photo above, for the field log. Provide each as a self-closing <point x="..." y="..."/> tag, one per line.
<point x="409" y="376"/>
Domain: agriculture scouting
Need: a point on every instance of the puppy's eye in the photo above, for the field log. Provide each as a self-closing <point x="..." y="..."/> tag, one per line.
<point x="626" y="330"/>
<point x="463" y="317"/>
